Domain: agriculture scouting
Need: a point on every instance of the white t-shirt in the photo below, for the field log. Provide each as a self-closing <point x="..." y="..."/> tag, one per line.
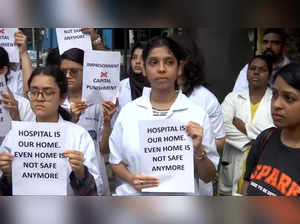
<point x="81" y="141"/>
<point x="92" y="121"/>
<point x="124" y="141"/>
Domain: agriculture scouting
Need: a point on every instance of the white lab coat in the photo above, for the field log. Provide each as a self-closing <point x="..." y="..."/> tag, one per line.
<point x="79" y="140"/>
<point x="92" y="121"/>
<point x="237" y="143"/>
<point x="124" y="141"/>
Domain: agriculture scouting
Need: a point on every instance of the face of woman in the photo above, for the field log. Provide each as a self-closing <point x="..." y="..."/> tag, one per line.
<point x="137" y="61"/>
<point x="258" y="74"/>
<point x="162" y="69"/>
<point x="73" y="71"/>
<point x="285" y="104"/>
<point x="45" y="98"/>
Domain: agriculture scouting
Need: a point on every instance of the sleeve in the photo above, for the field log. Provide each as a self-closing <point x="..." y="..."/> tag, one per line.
<point x="85" y="187"/>
<point x="115" y="143"/>
<point x="253" y="156"/>
<point x="254" y="130"/>
<point x="5" y="186"/>
<point x="241" y="82"/>
<point x="233" y="136"/>
<point x="208" y="142"/>
<point x="216" y="118"/>
<point x="25" y="111"/>
<point x="90" y="161"/>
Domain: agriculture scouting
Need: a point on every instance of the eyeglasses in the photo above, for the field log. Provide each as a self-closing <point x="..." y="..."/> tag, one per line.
<point x="72" y="71"/>
<point x="46" y="94"/>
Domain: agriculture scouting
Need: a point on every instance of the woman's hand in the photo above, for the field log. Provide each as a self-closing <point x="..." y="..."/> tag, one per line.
<point x="91" y="31"/>
<point x="76" y="162"/>
<point x="239" y="124"/>
<point x="5" y="163"/>
<point x="11" y="104"/>
<point x="77" y="109"/>
<point x="21" y="41"/>
<point x="196" y="132"/>
<point x="109" y="110"/>
<point x="140" y="181"/>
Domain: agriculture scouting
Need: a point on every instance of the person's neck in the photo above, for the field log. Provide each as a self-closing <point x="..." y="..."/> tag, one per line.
<point x="291" y="137"/>
<point x="278" y="62"/>
<point x="256" y="94"/>
<point x="163" y="99"/>
<point x="53" y="118"/>
<point x="74" y="96"/>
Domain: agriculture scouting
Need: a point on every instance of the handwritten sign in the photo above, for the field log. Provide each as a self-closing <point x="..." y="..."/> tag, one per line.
<point x="168" y="155"/>
<point x="7" y="42"/>
<point x="68" y="38"/>
<point x="39" y="166"/>
<point x="101" y="76"/>
<point x="5" y="120"/>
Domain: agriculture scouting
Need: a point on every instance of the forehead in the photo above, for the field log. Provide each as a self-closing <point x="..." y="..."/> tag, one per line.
<point x="161" y="52"/>
<point x="281" y="85"/>
<point x="138" y="51"/>
<point x="69" y="64"/>
<point x="259" y="62"/>
<point x="43" y="81"/>
<point x="272" y="36"/>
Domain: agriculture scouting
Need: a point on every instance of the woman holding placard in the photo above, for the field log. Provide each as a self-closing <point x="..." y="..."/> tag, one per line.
<point x="94" y="118"/>
<point x="47" y="91"/>
<point x="163" y="65"/>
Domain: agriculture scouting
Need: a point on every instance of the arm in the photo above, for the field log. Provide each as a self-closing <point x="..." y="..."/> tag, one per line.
<point x="220" y="142"/>
<point x="21" y="41"/>
<point x="109" y="110"/>
<point x="233" y="136"/>
<point x="135" y="180"/>
<point x="204" y="167"/>
<point x="11" y="104"/>
<point x="95" y="38"/>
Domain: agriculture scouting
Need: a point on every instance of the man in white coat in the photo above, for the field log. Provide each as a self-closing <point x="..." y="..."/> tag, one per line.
<point x="274" y="40"/>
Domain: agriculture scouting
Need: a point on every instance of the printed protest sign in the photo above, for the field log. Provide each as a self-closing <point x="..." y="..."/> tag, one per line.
<point x="101" y="76"/>
<point x="39" y="166"/>
<point x="7" y="42"/>
<point x="5" y="120"/>
<point x="167" y="153"/>
<point x="68" y="38"/>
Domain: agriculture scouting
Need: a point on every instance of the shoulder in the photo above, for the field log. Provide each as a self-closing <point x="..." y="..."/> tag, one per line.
<point x="124" y="82"/>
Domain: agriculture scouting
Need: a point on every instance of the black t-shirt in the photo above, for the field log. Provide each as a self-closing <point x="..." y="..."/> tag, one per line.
<point x="278" y="168"/>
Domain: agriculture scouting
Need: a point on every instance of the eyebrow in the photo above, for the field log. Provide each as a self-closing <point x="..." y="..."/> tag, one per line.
<point x="45" y="88"/>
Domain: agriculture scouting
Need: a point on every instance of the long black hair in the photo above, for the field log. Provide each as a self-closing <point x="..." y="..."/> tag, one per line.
<point x="194" y="66"/>
<point x="73" y="54"/>
<point x="4" y="60"/>
<point x="61" y="81"/>
<point x="291" y="74"/>
<point x="137" y="81"/>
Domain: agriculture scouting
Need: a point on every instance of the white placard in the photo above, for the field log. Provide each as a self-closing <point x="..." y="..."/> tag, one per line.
<point x="167" y="155"/>
<point x="39" y="167"/>
<point x="7" y="40"/>
<point x="68" y="38"/>
<point x="101" y="76"/>
<point x="5" y="120"/>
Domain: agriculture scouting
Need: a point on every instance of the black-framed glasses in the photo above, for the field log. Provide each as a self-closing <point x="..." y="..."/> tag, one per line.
<point x="33" y="94"/>
<point x="74" y="72"/>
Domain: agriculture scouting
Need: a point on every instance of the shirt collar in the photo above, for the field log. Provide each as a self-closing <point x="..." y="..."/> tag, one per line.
<point x="181" y="102"/>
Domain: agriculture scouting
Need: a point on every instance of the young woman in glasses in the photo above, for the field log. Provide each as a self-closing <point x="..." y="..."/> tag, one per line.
<point x="47" y="91"/>
<point x="95" y="118"/>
